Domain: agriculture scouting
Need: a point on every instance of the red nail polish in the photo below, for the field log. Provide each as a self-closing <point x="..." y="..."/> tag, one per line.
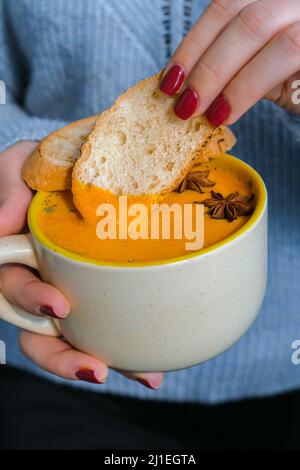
<point x="146" y="383"/>
<point x="218" y="111"/>
<point x="48" y="310"/>
<point x="172" y="81"/>
<point x="88" y="375"/>
<point x="186" y="104"/>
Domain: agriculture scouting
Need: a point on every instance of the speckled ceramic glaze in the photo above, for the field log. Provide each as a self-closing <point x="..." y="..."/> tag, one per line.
<point x="156" y="317"/>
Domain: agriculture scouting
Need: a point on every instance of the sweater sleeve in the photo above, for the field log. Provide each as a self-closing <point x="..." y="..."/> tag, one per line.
<point x="294" y="124"/>
<point x="16" y="123"/>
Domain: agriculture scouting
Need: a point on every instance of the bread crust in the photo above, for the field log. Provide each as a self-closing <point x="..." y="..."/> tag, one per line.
<point x="221" y="140"/>
<point x="40" y="173"/>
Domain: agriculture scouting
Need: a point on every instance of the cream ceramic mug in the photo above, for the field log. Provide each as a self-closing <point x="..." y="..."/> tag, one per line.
<point x="158" y="316"/>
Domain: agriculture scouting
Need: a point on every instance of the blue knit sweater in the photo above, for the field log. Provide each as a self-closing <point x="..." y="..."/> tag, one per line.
<point x="66" y="59"/>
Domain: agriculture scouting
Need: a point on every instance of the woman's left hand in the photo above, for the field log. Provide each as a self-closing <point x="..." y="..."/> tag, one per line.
<point x="21" y="287"/>
<point x="238" y="52"/>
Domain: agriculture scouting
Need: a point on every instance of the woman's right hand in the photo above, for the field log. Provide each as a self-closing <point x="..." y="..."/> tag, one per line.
<point x="22" y="287"/>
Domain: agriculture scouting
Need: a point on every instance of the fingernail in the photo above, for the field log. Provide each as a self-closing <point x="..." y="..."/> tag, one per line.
<point x="88" y="375"/>
<point x="48" y="310"/>
<point x="218" y="111"/>
<point x="186" y="104"/>
<point x="172" y="81"/>
<point x="146" y="383"/>
<point x="154" y="382"/>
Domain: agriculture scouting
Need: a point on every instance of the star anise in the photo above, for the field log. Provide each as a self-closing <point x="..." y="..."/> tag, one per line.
<point x="196" y="181"/>
<point x="230" y="207"/>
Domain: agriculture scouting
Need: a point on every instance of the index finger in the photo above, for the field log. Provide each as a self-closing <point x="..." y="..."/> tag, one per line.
<point x="214" y="19"/>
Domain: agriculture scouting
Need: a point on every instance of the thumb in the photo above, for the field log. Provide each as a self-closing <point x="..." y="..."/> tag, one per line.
<point x="287" y="94"/>
<point x="15" y="196"/>
<point x="13" y="210"/>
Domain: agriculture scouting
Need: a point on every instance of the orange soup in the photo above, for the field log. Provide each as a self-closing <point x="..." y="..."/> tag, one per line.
<point x="61" y="222"/>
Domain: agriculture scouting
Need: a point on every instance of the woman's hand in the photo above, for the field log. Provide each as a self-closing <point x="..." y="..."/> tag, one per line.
<point x="21" y="287"/>
<point x="238" y="52"/>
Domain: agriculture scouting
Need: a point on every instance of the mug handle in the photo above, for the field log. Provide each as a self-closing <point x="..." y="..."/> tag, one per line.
<point x="18" y="249"/>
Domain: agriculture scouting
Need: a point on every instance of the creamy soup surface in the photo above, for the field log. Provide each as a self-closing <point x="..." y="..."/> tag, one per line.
<point x="75" y="231"/>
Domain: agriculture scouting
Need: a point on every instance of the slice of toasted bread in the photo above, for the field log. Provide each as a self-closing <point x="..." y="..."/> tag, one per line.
<point x="220" y="142"/>
<point x="139" y="146"/>
<point x="49" y="168"/>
